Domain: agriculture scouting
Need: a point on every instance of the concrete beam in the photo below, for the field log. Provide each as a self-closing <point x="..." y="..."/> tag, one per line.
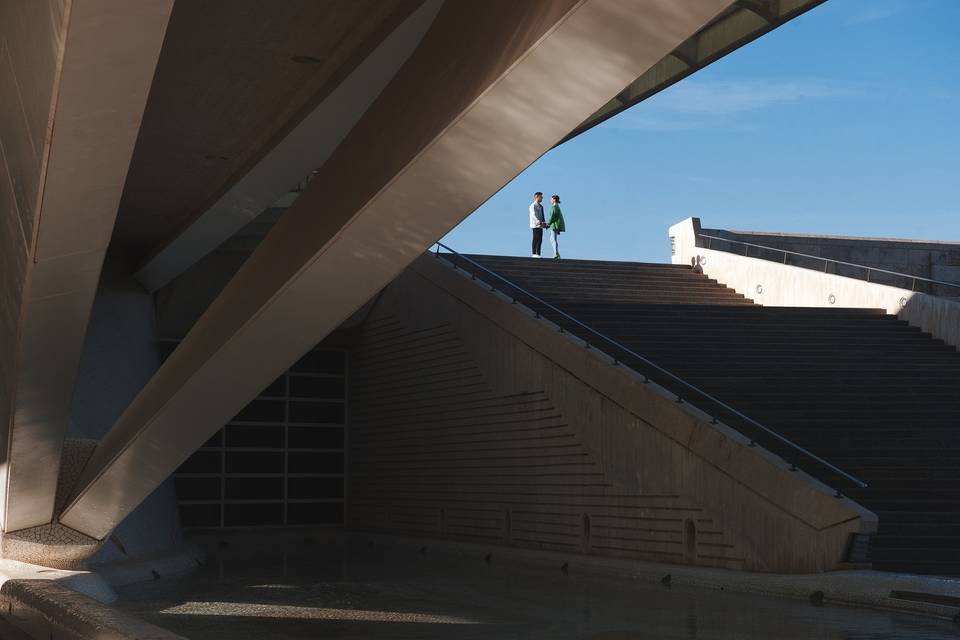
<point x="492" y="86"/>
<point x="95" y="86"/>
<point x="301" y="152"/>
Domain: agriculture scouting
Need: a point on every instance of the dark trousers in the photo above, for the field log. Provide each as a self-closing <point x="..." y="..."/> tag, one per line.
<point x="537" y="240"/>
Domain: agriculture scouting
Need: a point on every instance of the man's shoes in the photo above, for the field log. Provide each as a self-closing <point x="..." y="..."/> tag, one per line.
<point x="556" y="257"/>
<point x="536" y="255"/>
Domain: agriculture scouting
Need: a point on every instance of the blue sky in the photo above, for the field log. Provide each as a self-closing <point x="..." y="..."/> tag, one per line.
<point x="844" y="121"/>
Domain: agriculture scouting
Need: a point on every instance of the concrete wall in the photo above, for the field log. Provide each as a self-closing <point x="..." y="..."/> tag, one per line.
<point x="933" y="260"/>
<point x="120" y="354"/>
<point x="471" y="419"/>
<point x="31" y="47"/>
<point x="775" y="284"/>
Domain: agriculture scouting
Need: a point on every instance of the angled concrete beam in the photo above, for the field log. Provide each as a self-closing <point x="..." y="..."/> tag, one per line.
<point x="741" y="24"/>
<point x="302" y="151"/>
<point x="105" y="53"/>
<point x="492" y="86"/>
<point x="769" y="10"/>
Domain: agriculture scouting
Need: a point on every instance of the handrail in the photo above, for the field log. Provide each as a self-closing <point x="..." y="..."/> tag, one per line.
<point x="827" y="261"/>
<point x="673" y="377"/>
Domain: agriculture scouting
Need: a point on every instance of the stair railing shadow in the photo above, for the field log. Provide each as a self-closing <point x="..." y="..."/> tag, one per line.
<point x="684" y="391"/>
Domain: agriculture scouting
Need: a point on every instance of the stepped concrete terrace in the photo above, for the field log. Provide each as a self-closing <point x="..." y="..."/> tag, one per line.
<point x="858" y="387"/>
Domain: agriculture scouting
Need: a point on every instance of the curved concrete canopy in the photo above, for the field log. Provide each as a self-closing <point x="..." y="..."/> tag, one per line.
<point x="233" y="79"/>
<point x="465" y="114"/>
<point x="288" y="162"/>
<point x="740" y="24"/>
<point x="302" y="151"/>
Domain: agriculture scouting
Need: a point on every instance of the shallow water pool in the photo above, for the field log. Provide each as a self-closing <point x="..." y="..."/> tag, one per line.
<point x="372" y="594"/>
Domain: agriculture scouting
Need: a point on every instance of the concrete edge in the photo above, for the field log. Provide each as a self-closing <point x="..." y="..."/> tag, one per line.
<point x="857" y="588"/>
<point x="40" y="602"/>
<point x="176" y="562"/>
<point x="44" y="609"/>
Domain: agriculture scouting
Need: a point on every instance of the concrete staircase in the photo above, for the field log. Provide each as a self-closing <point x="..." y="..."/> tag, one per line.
<point x="863" y="390"/>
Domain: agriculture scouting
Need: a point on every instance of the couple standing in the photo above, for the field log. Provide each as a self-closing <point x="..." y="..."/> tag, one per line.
<point x="538" y="223"/>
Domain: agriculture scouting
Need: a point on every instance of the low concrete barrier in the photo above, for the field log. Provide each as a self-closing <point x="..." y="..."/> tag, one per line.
<point x="45" y="609"/>
<point x="779" y="285"/>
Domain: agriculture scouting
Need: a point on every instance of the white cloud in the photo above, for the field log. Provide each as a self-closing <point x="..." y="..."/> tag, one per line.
<point x="691" y="104"/>
<point x="735" y="96"/>
<point x="877" y="10"/>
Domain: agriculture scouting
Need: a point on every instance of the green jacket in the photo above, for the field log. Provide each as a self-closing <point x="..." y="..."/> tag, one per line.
<point x="556" y="219"/>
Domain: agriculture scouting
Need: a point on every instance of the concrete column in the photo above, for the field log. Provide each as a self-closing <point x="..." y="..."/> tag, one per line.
<point x="75" y="78"/>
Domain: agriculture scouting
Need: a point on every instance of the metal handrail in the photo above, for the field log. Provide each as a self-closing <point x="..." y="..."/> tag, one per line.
<point x="826" y="261"/>
<point x="673" y="377"/>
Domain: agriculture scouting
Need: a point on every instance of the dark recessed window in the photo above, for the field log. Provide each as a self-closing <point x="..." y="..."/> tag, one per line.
<point x="262" y="411"/>
<point x="197" y="488"/>
<point x="316" y="412"/>
<point x="254" y="462"/>
<point x="315" y="513"/>
<point x="200" y="515"/>
<point x="254" y="488"/>
<point x="314" y="488"/>
<point x="239" y="477"/>
<point x="315" y="438"/>
<point x="301" y="462"/>
<point x="267" y="436"/>
<point x="330" y="362"/>
<point x="306" y="387"/>
<point x="240" y="515"/>
<point x="202" y="462"/>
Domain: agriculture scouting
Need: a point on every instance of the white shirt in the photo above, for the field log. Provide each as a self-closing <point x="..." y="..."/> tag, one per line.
<point x="536" y="215"/>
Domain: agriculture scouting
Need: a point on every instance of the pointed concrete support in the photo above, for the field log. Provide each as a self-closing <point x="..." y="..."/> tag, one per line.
<point x="74" y="79"/>
<point x="492" y="86"/>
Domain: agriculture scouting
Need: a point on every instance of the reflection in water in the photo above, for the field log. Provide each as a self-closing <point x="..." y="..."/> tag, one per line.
<point x="374" y="594"/>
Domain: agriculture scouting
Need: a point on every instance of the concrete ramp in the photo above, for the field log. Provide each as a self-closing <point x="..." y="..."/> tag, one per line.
<point x="474" y="418"/>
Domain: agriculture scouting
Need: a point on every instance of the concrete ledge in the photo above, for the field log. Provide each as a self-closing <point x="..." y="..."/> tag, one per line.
<point x="40" y="602"/>
<point x="140" y="569"/>
<point x="859" y="588"/>
<point x="45" y="609"/>
<point x="779" y="285"/>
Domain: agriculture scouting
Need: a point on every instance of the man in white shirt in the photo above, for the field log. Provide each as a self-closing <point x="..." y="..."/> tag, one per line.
<point x="537" y="222"/>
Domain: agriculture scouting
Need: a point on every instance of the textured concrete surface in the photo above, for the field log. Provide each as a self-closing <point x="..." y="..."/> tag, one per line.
<point x="644" y="443"/>
<point x="779" y="285"/>
<point x="46" y="609"/>
<point x="938" y="260"/>
<point x="299" y="592"/>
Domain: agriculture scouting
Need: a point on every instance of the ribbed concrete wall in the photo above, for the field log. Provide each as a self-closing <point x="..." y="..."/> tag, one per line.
<point x="436" y="450"/>
<point x="471" y="421"/>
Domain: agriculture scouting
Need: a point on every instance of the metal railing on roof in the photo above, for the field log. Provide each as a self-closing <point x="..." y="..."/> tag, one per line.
<point x="655" y="371"/>
<point x="826" y="262"/>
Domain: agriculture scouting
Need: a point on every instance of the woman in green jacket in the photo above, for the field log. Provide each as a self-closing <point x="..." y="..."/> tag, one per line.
<point x="555" y="223"/>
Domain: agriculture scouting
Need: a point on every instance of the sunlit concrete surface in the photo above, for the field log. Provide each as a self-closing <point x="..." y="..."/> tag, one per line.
<point x="373" y="593"/>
